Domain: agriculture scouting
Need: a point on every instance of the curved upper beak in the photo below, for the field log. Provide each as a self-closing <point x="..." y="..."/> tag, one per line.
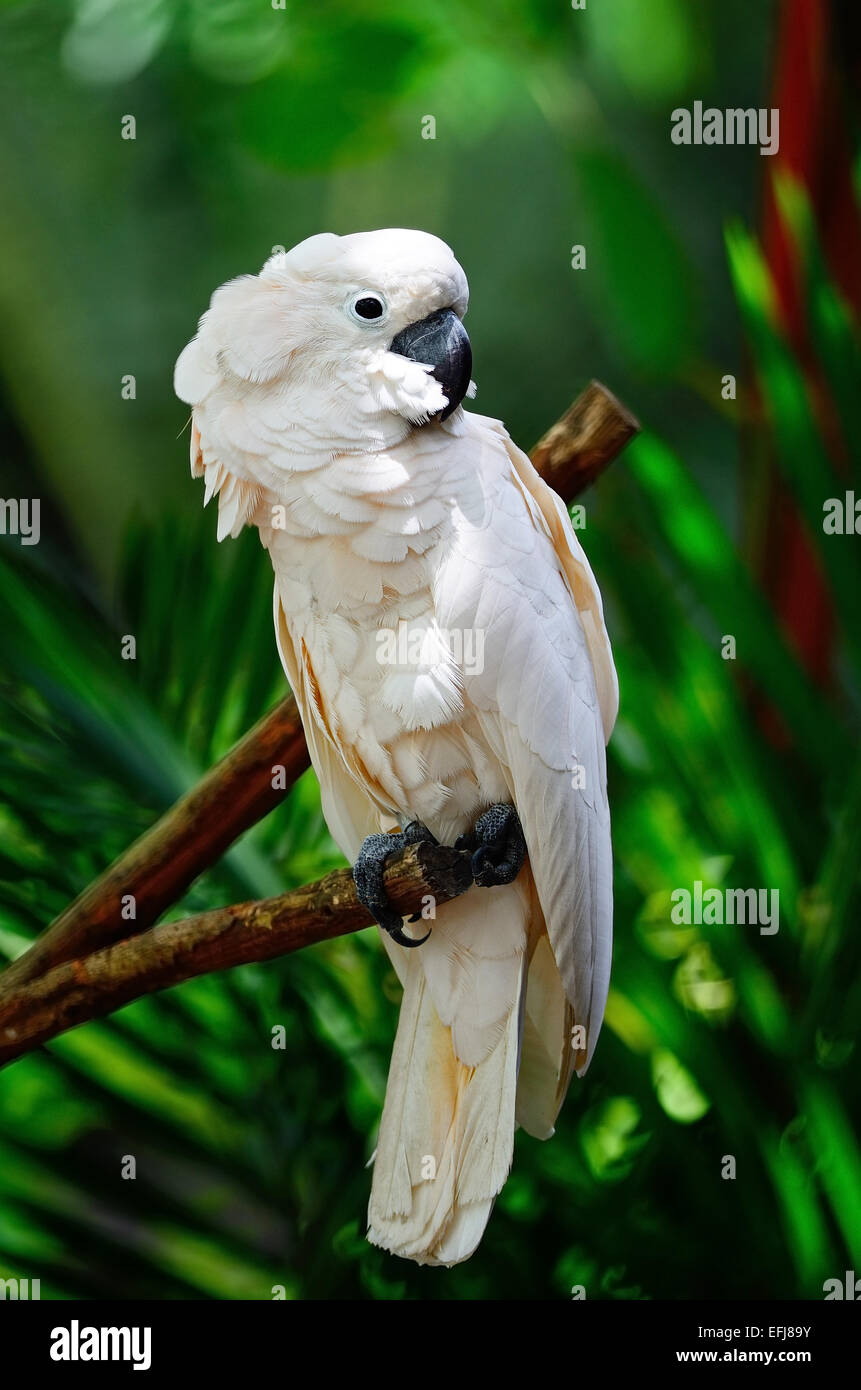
<point x="440" y="341"/>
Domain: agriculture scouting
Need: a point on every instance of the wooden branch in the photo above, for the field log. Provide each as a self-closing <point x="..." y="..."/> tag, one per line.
<point x="167" y="858"/>
<point x="159" y="867"/>
<point x="80" y="990"/>
<point x="577" y="449"/>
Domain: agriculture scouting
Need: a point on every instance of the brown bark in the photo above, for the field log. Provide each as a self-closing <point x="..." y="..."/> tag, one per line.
<point x="577" y="449"/>
<point x="79" y="990"/>
<point x="160" y="865"/>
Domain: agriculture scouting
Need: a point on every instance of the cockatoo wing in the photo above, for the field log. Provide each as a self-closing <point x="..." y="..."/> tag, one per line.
<point x="547" y="1056"/>
<point x="552" y="517"/>
<point x="546" y="698"/>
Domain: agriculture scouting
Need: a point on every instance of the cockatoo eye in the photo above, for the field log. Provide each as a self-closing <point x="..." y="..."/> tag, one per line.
<point x="367" y="307"/>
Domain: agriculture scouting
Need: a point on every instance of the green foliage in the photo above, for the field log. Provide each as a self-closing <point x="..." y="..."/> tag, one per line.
<point x="250" y="1160"/>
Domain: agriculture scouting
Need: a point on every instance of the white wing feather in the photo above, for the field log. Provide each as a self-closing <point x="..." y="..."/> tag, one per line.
<point x="546" y="698"/>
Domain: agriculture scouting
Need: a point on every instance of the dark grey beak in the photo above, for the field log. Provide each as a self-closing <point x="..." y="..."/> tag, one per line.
<point x="440" y="341"/>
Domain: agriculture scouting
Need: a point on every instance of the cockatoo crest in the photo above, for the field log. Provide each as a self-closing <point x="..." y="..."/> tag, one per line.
<point x="291" y="344"/>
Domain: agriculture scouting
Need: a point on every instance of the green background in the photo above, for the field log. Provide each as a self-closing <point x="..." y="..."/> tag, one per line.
<point x="257" y="127"/>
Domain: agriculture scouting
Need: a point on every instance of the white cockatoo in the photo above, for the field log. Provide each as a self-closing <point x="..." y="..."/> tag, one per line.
<point x="444" y="638"/>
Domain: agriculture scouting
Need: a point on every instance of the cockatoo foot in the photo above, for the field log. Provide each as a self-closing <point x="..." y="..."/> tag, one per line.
<point x="368" y="878"/>
<point x="498" y="846"/>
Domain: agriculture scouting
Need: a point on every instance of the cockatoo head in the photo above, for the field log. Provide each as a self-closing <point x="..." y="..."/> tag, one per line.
<point x="349" y="329"/>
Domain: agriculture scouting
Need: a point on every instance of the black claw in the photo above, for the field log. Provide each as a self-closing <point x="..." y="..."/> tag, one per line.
<point x="465" y="842"/>
<point x="397" y="934"/>
<point x="368" y="878"/>
<point x="501" y="847"/>
<point x="496" y="845"/>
